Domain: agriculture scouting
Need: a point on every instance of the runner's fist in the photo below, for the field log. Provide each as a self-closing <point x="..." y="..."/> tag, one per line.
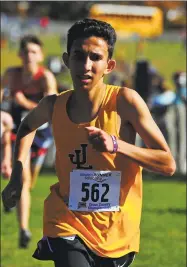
<point x="12" y="192"/>
<point x="100" y="140"/>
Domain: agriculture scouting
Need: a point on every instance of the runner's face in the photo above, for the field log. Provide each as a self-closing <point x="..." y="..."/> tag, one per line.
<point x="88" y="62"/>
<point x="31" y="55"/>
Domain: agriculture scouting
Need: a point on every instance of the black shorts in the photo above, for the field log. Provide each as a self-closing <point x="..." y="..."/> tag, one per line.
<point x="75" y="253"/>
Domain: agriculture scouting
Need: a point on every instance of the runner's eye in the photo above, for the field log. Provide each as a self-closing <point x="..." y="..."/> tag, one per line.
<point x="95" y="57"/>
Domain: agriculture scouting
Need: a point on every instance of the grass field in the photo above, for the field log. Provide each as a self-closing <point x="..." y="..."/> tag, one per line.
<point x="167" y="57"/>
<point x="163" y="227"/>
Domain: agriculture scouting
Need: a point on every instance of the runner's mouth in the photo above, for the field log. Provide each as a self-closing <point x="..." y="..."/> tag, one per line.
<point x="85" y="78"/>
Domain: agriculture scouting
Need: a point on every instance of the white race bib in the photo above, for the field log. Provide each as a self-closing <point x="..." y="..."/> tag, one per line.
<point x="94" y="190"/>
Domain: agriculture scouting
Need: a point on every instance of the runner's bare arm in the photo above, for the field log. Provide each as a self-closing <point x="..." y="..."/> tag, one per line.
<point x="7" y="79"/>
<point x="157" y="156"/>
<point x="6" y="164"/>
<point x="50" y="83"/>
<point x="24" y="102"/>
<point x="38" y="116"/>
<point x="132" y="109"/>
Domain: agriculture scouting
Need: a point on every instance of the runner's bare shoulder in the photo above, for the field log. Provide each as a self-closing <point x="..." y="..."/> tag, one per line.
<point x="125" y="100"/>
<point x="49" y="101"/>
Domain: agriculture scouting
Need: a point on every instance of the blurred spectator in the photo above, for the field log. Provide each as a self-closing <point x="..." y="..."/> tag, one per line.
<point x="161" y="95"/>
<point x="176" y="118"/>
<point x="179" y="79"/>
<point x="159" y="101"/>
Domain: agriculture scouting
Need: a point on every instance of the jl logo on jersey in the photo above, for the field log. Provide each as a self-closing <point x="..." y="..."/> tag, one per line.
<point x="80" y="158"/>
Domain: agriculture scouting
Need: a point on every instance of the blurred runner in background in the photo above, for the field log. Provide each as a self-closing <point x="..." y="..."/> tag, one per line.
<point x="28" y="84"/>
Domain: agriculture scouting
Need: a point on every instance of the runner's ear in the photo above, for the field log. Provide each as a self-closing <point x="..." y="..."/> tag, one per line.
<point x="110" y="66"/>
<point x="65" y="58"/>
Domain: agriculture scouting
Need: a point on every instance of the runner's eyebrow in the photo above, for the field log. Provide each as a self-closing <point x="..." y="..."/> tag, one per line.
<point x="91" y="52"/>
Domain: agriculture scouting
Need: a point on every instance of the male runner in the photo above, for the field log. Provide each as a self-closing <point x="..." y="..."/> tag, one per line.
<point x="28" y="84"/>
<point x="92" y="215"/>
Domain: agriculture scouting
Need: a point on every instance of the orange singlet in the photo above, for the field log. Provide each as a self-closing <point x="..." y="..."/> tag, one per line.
<point x="91" y="180"/>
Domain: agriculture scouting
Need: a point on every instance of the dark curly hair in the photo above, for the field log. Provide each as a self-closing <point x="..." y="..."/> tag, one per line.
<point x="92" y="27"/>
<point x="29" y="39"/>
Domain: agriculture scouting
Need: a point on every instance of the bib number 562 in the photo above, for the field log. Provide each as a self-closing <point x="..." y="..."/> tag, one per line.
<point x="92" y="192"/>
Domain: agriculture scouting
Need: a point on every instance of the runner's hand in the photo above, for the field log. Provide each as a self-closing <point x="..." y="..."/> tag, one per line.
<point x="100" y="140"/>
<point x="6" y="169"/>
<point x="12" y="192"/>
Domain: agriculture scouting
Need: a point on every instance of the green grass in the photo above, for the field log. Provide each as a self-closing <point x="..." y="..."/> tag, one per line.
<point x="167" y="57"/>
<point x="163" y="226"/>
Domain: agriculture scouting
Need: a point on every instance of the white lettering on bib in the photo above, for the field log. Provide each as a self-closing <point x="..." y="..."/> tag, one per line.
<point x="94" y="190"/>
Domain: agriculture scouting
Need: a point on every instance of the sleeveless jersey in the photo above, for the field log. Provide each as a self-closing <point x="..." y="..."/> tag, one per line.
<point x="31" y="93"/>
<point x="109" y="233"/>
